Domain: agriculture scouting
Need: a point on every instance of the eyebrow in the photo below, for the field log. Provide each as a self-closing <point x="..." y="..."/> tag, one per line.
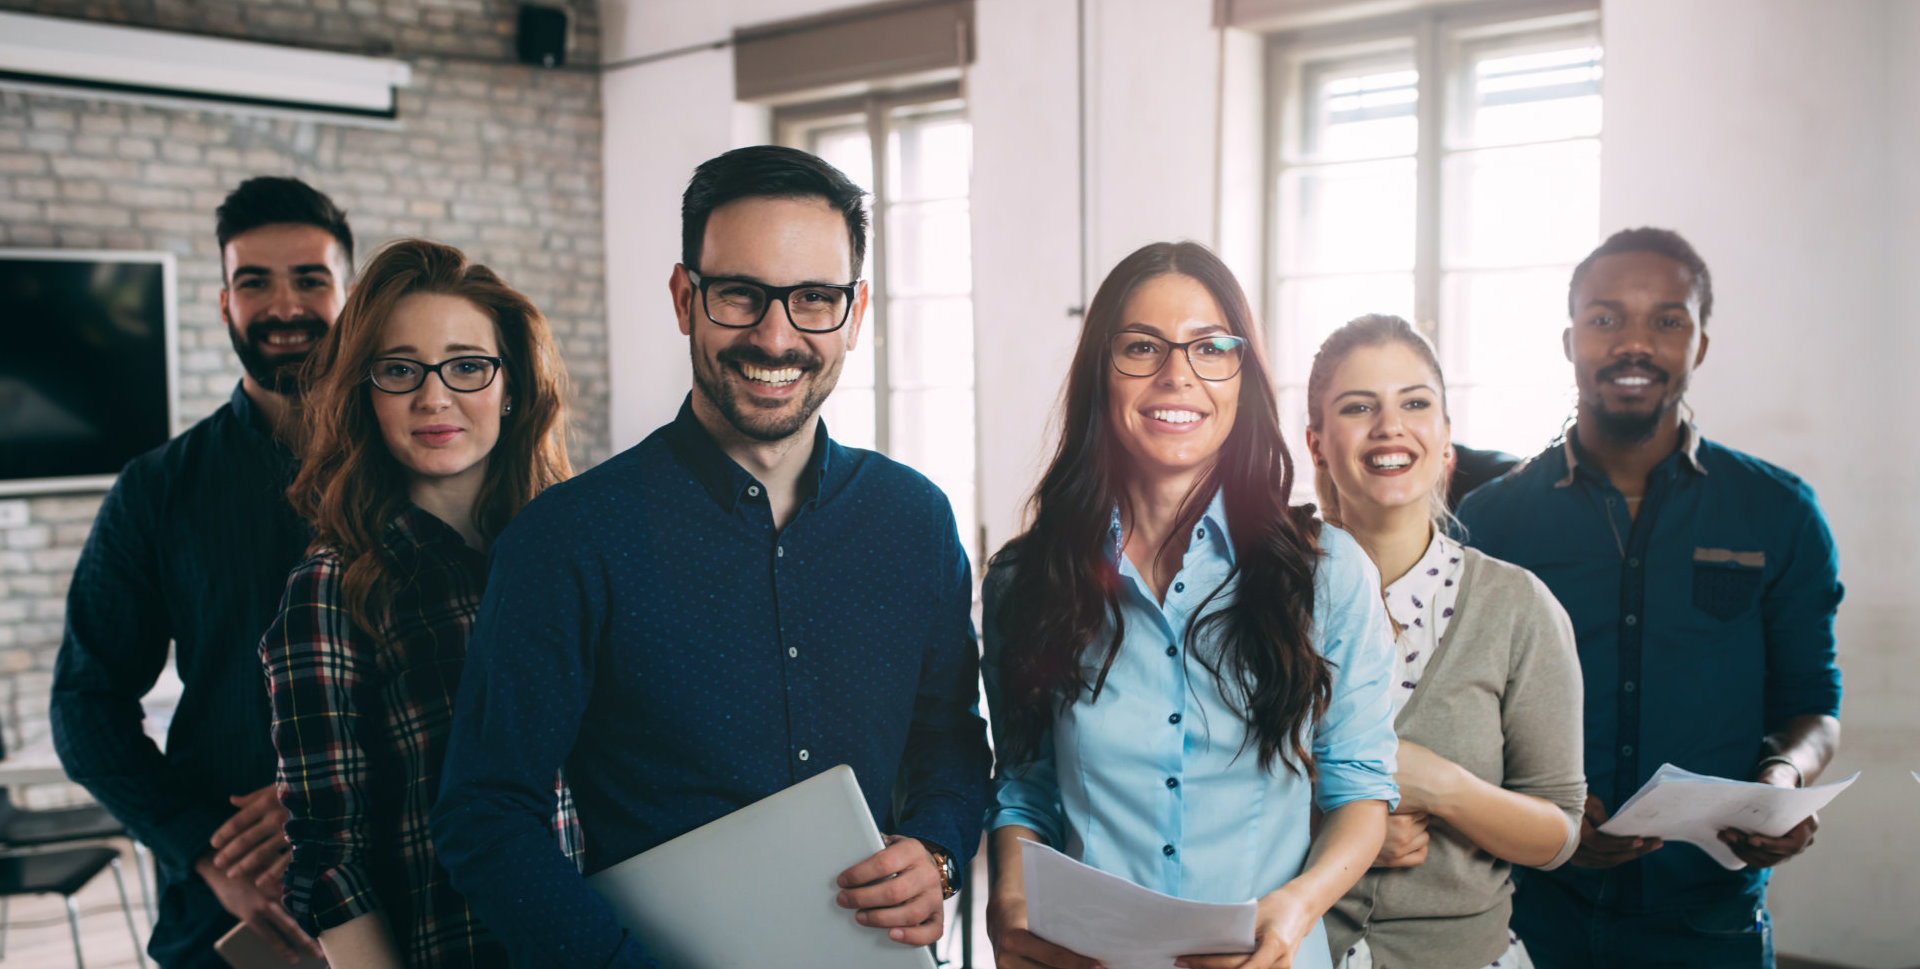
<point x="300" y="270"/>
<point x="410" y="348"/>
<point x="1207" y="329"/>
<point x="757" y="281"/>
<point x="1619" y="307"/>
<point x="1371" y="395"/>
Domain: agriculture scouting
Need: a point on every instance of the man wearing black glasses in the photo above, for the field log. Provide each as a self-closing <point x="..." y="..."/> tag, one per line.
<point x="732" y="606"/>
<point x="191" y="551"/>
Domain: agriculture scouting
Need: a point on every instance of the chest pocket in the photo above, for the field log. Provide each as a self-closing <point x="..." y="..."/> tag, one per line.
<point x="1726" y="582"/>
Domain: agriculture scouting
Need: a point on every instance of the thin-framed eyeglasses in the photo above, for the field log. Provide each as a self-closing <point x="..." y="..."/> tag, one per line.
<point x="403" y="375"/>
<point x="743" y="303"/>
<point x="1214" y="357"/>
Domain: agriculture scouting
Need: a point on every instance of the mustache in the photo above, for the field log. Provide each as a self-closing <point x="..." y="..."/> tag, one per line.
<point x="1613" y="370"/>
<point x="756" y="357"/>
<point x="260" y="329"/>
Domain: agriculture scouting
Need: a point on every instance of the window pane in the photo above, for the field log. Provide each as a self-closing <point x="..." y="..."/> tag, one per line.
<point x="929" y="250"/>
<point x="929" y="158"/>
<point x="1313" y="308"/>
<point x="1531" y="95"/>
<point x="933" y="434"/>
<point x="849" y="413"/>
<point x="1505" y="327"/>
<point x="1522" y="206"/>
<point x="1361" y="111"/>
<point x="932" y="343"/>
<point x="1520" y="420"/>
<point x="1348" y="218"/>
<point x="846" y="148"/>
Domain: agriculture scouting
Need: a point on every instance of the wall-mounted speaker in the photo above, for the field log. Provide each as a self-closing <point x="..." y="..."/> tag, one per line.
<point x="543" y="35"/>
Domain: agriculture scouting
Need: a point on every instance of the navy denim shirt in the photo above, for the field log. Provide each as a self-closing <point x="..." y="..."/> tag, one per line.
<point x="646" y="626"/>
<point x="191" y="547"/>
<point x="1703" y="624"/>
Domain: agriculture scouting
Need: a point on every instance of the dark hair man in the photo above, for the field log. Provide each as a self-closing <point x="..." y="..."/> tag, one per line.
<point x="193" y="546"/>
<point x="733" y="605"/>
<point x="1703" y="584"/>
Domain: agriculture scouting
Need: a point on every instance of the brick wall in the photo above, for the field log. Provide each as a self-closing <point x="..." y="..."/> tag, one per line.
<point x="497" y="158"/>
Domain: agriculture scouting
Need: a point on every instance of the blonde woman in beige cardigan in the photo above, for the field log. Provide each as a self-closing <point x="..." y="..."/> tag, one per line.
<point x="1486" y="688"/>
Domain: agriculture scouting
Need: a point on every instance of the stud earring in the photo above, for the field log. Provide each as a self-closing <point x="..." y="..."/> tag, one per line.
<point x="507" y="409"/>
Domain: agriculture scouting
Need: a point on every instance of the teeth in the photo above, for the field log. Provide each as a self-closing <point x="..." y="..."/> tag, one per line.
<point x="785" y="375"/>
<point x="286" y="338"/>
<point x="1390" y="461"/>
<point x="1175" y="416"/>
<point x="1633" y="381"/>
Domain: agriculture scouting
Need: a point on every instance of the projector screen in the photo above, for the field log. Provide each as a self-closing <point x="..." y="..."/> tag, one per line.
<point x="87" y="350"/>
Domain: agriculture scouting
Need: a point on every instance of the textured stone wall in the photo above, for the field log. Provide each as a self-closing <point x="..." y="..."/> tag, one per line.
<point x="500" y="159"/>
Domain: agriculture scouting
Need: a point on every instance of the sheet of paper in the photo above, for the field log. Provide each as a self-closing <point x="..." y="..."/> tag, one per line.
<point x="1680" y="805"/>
<point x="1119" y="923"/>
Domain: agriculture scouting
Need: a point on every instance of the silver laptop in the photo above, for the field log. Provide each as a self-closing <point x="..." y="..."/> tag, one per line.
<point x="756" y="888"/>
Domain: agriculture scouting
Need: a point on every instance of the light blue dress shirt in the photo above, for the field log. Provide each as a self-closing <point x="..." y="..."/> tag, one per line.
<point x="1158" y="783"/>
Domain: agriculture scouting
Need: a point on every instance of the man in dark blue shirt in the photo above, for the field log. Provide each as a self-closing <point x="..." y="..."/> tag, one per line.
<point x="733" y="605"/>
<point x="192" y="546"/>
<point x="1702" y="584"/>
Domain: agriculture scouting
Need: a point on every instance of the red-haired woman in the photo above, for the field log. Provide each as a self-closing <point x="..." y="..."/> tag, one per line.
<point x="434" y="415"/>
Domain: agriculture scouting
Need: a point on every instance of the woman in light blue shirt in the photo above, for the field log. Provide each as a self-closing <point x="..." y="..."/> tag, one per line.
<point x="1151" y="720"/>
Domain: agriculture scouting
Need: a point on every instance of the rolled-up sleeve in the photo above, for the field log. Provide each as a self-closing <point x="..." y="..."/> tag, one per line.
<point x="1540" y="714"/>
<point x="1354" y="743"/>
<point x="316" y="666"/>
<point x="1026" y="794"/>
<point x="1803" y="676"/>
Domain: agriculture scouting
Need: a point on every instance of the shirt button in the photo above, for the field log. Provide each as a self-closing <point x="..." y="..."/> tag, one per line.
<point x="1173" y="650"/>
<point x="793" y="651"/>
<point x="1633" y="563"/>
<point x="803" y="754"/>
<point x="1179" y="587"/>
<point x="1172" y="782"/>
<point x="779" y="551"/>
<point x="1628" y="686"/>
<point x="1173" y="718"/>
<point x="1632" y="620"/>
<point x="753" y="490"/>
<point x="1167" y="850"/>
<point x="1199" y="533"/>
<point x="1626" y="750"/>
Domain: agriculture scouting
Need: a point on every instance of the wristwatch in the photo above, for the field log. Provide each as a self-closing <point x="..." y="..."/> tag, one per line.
<point x="949" y="870"/>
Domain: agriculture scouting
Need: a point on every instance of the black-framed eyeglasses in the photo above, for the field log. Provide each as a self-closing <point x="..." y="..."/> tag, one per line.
<point x="402" y="375"/>
<point x="742" y="303"/>
<point x="1215" y="357"/>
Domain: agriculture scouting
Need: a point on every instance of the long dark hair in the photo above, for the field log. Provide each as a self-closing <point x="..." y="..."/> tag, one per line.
<point x="350" y="486"/>
<point x="1066" y="600"/>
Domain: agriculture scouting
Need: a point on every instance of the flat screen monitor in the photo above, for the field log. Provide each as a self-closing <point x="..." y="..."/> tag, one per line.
<point x="87" y="365"/>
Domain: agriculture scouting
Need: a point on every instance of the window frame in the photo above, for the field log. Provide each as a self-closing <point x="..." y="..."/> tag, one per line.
<point x="1441" y="42"/>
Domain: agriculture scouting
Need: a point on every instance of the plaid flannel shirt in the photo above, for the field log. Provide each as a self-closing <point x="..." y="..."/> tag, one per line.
<point x="360" y="723"/>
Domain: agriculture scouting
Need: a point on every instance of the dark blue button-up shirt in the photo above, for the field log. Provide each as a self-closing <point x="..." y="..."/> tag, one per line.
<point x="192" y="546"/>
<point x="1703" y="624"/>
<point x="647" y="626"/>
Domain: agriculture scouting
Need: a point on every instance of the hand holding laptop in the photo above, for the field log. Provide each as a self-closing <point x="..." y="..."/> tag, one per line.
<point x="898" y="889"/>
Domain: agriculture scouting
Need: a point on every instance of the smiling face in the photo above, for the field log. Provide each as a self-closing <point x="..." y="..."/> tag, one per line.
<point x="1172" y="423"/>
<point x="767" y="381"/>
<point x="286" y="284"/>
<point x="1634" y="342"/>
<point x="434" y="432"/>
<point x="1384" y="439"/>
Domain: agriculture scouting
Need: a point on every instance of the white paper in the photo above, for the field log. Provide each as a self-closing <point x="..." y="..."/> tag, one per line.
<point x="1680" y="805"/>
<point x="1122" y="925"/>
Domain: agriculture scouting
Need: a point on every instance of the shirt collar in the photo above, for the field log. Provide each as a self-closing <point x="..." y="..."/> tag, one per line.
<point x="418" y="527"/>
<point x="723" y="478"/>
<point x="1409" y="595"/>
<point x="250" y="415"/>
<point x="1211" y="528"/>
<point x="1688" y="454"/>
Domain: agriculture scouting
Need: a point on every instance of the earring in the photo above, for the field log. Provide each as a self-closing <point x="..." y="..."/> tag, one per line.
<point x="507" y="409"/>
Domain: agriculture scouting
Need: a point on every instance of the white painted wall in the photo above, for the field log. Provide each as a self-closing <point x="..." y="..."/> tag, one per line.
<point x="1760" y="129"/>
<point x="1766" y="130"/>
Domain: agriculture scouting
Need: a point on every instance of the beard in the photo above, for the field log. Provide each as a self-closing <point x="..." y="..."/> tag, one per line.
<point x="278" y="372"/>
<point x="764" y="423"/>
<point x="1634" y="427"/>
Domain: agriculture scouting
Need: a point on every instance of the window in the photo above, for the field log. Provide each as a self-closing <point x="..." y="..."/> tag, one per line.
<point x="907" y="389"/>
<point x="1444" y="168"/>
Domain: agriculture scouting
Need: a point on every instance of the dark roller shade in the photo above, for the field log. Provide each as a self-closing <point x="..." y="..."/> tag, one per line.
<point x="848" y="46"/>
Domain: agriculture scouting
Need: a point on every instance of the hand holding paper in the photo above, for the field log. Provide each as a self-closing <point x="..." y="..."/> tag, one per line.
<point x="1679" y="805"/>
<point x="1122" y="925"/>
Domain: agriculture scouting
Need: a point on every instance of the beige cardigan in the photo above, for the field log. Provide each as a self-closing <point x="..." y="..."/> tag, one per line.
<point x="1501" y="697"/>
